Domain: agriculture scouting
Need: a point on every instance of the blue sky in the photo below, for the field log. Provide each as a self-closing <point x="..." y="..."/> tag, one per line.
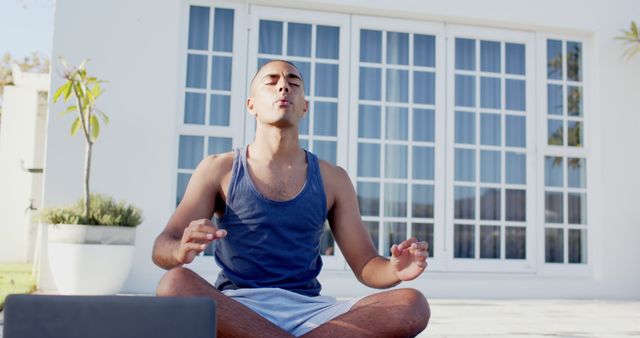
<point x="26" y="26"/>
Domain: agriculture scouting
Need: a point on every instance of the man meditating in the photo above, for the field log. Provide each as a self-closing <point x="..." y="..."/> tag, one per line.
<point x="271" y="199"/>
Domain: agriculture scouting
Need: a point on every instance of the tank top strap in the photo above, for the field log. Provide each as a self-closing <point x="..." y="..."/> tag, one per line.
<point x="236" y="170"/>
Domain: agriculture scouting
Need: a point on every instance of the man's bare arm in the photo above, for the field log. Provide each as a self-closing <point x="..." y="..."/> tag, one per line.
<point x="408" y="258"/>
<point x="190" y="230"/>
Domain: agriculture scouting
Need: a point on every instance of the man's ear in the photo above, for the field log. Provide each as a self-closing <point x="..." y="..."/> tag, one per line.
<point x="250" y="106"/>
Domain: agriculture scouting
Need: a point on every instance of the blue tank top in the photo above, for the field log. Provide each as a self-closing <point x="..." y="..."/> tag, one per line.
<point x="271" y="243"/>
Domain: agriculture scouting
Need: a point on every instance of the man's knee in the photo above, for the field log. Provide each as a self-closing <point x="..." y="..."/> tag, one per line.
<point x="173" y="281"/>
<point x="416" y="309"/>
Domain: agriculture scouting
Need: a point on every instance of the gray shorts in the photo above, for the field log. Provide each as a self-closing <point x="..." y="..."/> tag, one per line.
<point x="293" y="312"/>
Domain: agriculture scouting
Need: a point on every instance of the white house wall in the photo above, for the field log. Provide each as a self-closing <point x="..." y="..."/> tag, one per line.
<point x="138" y="47"/>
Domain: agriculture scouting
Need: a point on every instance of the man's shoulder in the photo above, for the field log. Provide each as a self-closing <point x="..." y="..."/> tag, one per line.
<point x="332" y="174"/>
<point x="217" y="163"/>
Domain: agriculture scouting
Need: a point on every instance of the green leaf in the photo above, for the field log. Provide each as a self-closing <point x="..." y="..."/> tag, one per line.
<point x="67" y="94"/>
<point x="69" y="109"/>
<point x="60" y="90"/>
<point x="95" y="127"/>
<point x="74" y="126"/>
<point x="104" y="116"/>
<point x="96" y="90"/>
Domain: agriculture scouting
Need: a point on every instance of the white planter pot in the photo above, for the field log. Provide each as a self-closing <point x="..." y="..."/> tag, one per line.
<point x="90" y="260"/>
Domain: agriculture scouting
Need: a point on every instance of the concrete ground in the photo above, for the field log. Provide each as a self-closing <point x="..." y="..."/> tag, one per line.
<point x="530" y="318"/>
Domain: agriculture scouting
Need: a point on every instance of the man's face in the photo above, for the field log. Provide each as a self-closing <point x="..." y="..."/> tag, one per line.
<point x="277" y="95"/>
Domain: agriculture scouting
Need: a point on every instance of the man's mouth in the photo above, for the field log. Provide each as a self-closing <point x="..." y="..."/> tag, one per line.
<point x="283" y="102"/>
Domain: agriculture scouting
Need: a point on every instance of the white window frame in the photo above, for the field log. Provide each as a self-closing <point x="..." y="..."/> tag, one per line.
<point x="493" y="265"/>
<point x="436" y="263"/>
<point x="337" y="261"/>
<point x="565" y="269"/>
<point x="206" y="265"/>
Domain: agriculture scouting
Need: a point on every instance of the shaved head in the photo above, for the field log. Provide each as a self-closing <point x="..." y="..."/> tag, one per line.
<point x="253" y="80"/>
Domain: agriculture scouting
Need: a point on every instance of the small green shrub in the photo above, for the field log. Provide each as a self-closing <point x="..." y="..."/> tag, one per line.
<point x="104" y="211"/>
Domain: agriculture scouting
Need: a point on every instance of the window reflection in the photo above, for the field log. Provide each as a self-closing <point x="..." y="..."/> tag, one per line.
<point x="464" y="241"/>
<point x="490" y="242"/>
<point x="554" y="246"/>
<point x="515" y="243"/>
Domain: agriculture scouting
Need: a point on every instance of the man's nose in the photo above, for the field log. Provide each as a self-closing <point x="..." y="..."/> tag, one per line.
<point x="283" y="86"/>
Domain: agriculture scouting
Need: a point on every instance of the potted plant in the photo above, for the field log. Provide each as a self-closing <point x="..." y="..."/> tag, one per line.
<point x="90" y="244"/>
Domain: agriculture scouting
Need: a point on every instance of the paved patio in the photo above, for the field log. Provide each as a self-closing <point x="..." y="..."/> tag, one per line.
<point x="530" y="318"/>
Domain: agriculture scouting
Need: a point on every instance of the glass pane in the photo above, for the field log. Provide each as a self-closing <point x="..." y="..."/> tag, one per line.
<point x="325" y="150"/>
<point x="554" y="246"/>
<point x="183" y="180"/>
<point x="490" y="166"/>
<point x="577" y="208"/>
<point x="396" y="160"/>
<point x="370" y="46"/>
<point x="196" y="71"/>
<point x="489" y="242"/>
<point x="490" y="56"/>
<point x="326" y="80"/>
<point x="219" y="110"/>
<point x="554" y="59"/>
<point x="424" y="232"/>
<point x="305" y="71"/>
<point x="396" y="233"/>
<point x="198" y="27"/>
<point x="369" y="199"/>
<point x="397" y="48"/>
<point x="395" y="200"/>
<point x="553" y="207"/>
<point x="464" y="240"/>
<point x="554" y="99"/>
<point x="516" y="96"/>
<point x="397" y="123"/>
<point x="465" y="128"/>
<point x="219" y="145"/>
<point x="465" y="54"/>
<point x="223" y="30"/>
<point x="370" y="83"/>
<point x="490" y="92"/>
<point x="516" y="205"/>
<point x="553" y="171"/>
<point x="516" y="168"/>
<point x="397" y="85"/>
<point x="369" y="121"/>
<point x="270" y="41"/>
<point x="299" y="39"/>
<point x="515" y="58"/>
<point x="325" y="118"/>
<point x="326" y="241"/>
<point x="423" y="125"/>
<point x="574" y="134"/>
<point x="304" y="144"/>
<point x="221" y="73"/>
<point x="577" y="246"/>
<point x="424" y="87"/>
<point x="194" y="108"/>
<point x="465" y="91"/>
<point x="574" y="101"/>
<point x="490" y="130"/>
<point x="577" y="172"/>
<point x="465" y="162"/>
<point x="303" y="127"/>
<point x="556" y="135"/>
<point x="368" y="160"/>
<point x="327" y="42"/>
<point x="490" y="204"/>
<point x="422" y="204"/>
<point x="516" y="131"/>
<point x="424" y="50"/>
<point x="574" y="61"/>
<point x="374" y="230"/>
<point x="423" y="163"/>
<point x="465" y="203"/>
<point x="191" y="150"/>
<point x="515" y="243"/>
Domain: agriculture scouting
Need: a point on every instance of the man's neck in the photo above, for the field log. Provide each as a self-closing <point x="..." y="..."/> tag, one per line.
<point x="276" y="145"/>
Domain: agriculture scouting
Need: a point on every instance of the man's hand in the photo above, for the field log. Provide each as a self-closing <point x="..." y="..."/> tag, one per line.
<point x="195" y="239"/>
<point x="409" y="258"/>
